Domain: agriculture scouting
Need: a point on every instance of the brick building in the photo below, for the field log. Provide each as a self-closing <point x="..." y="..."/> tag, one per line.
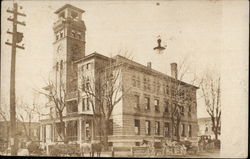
<point x="143" y="113"/>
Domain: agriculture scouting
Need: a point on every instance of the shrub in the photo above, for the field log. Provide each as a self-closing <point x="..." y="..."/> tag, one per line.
<point x="65" y="149"/>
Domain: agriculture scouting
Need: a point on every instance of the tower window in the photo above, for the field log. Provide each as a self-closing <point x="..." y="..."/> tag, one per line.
<point x="62" y="15"/>
<point x="61" y="64"/>
<point x="83" y="104"/>
<point x="74" y="14"/>
<point x="61" y="34"/>
<point x="73" y="33"/>
<point x="88" y="102"/>
<point x="57" y="66"/>
<point x="88" y="66"/>
<point x="79" y="36"/>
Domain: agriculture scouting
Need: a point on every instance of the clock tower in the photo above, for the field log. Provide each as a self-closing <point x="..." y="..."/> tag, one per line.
<point x="69" y="45"/>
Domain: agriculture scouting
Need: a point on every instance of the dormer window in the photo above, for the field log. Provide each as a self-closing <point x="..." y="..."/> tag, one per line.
<point x="74" y="15"/>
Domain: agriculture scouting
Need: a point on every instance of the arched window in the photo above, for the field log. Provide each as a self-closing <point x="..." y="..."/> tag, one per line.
<point x="61" y="64"/>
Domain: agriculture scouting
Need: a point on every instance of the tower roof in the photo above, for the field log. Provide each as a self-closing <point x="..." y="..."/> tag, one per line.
<point x="69" y="6"/>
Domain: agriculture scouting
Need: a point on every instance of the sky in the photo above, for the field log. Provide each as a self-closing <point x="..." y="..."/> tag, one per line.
<point x="190" y="29"/>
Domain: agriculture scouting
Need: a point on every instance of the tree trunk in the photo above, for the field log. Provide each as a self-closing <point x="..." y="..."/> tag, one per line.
<point x="62" y="129"/>
<point x="172" y="125"/>
<point x="177" y="130"/>
<point x="105" y="134"/>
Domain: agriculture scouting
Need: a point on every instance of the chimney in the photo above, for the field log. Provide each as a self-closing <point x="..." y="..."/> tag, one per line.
<point x="174" y="70"/>
<point x="149" y="64"/>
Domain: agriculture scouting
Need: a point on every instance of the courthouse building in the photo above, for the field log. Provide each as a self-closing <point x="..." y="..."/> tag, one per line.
<point x="143" y="113"/>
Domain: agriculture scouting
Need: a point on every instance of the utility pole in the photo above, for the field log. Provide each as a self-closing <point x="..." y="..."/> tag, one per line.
<point x="16" y="38"/>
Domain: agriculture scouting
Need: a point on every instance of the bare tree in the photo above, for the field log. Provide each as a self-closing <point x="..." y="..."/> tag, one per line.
<point x="4" y="115"/>
<point x="180" y="95"/>
<point x="210" y="85"/>
<point x="104" y="92"/>
<point x="56" y="93"/>
<point x="27" y="113"/>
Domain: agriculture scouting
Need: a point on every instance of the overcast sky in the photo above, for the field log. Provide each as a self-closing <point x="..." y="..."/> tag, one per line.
<point x="190" y="29"/>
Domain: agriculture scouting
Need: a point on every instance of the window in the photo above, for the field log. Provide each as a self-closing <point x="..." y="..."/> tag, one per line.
<point x="72" y="106"/>
<point x="166" y="108"/>
<point x="189" y="108"/>
<point x="145" y="83"/>
<point x="87" y="129"/>
<point x="190" y="130"/>
<point x="158" y="87"/>
<point x="57" y="66"/>
<point x="137" y="127"/>
<point x="88" y="66"/>
<point x="87" y="103"/>
<point x="137" y="143"/>
<point x="182" y="110"/>
<point x="83" y="87"/>
<point x="133" y="81"/>
<point x="71" y="130"/>
<point x="166" y="129"/>
<point x="74" y="14"/>
<point x="157" y="105"/>
<point x="137" y="101"/>
<point x="88" y="86"/>
<point x="110" y="144"/>
<point x="138" y="81"/>
<point x="183" y="130"/>
<point x="73" y="33"/>
<point x="62" y="15"/>
<point x="44" y="132"/>
<point x="147" y="127"/>
<point x="79" y="35"/>
<point x="110" y="130"/>
<point x="61" y="34"/>
<point x="61" y="64"/>
<point x="147" y="103"/>
<point x="157" y="128"/>
<point x="51" y="111"/>
<point x="149" y="86"/>
<point x="82" y="67"/>
<point x="172" y="92"/>
<point x="174" y="131"/>
<point x="83" y="104"/>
